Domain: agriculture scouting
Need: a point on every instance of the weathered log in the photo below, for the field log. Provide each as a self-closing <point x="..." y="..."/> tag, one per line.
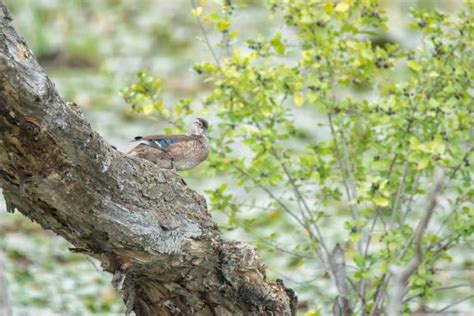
<point x="147" y="228"/>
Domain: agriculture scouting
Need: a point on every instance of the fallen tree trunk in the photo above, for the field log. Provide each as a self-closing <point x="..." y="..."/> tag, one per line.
<point x="153" y="233"/>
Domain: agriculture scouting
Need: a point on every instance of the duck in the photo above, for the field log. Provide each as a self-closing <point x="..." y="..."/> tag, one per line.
<point x="175" y="152"/>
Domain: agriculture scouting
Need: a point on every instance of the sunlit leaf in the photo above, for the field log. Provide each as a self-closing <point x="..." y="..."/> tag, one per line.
<point x="197" y="11"/>
<point x="342" y="7"/>
<point x="414" y="65"/>
<point x="298" y="99"/>
<point x="380" y="201"/>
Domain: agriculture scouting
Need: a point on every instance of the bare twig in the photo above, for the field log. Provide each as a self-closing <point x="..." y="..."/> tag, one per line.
<point x="363" y="283"/>
<point x="389" y="174"/>
<point x="455" y="303"/>
<point x="349" y="168"/>
<point x="300" y="221"/>
<point x="352" y="199"/>
<point x="305" y="211"/>
<point x="444" y="288"/>
<point x="283" y="250"/>
<point x="225" y="34"/>
<point x="206" y="39"/>
<point x="411" y="200"/>
<point x="302" y="200"/>
<point x="336" y="269"/>
<point x="450" y="178"/>
<point x="335" y="260"/>
<point x="271" y="195"/>
<point x="398" y="198"/>
<point x="401" y="274"/>
<point x="386" y="278"/>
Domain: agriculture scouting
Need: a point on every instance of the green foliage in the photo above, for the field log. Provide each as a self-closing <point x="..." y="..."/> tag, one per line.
<point x="373" y="138"/>
<point x="390" y="103"/>
<point x="145" y="97"/>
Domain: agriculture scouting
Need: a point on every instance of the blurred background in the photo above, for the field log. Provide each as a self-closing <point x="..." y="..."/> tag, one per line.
<point x="92" y="49"/>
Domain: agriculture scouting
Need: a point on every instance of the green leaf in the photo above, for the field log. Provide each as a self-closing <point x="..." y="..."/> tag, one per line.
<point x="278" y="44"/>
<point x="148" y="109"/>
<point x="327" y="7"/>
<point x="423" y="163"/>
<point x="414" y="65"/>
<point x="354" y="236"/>
<point x="298" y="99"/>
<point x="197" y="12"/>
<point x="380" y="201"/>
<point x="392" y="246"/>
<point x="223" y="187"/>
<point x="359" y="260"/>
<point x="342" y="7"/>
<point x="223" y="25"/>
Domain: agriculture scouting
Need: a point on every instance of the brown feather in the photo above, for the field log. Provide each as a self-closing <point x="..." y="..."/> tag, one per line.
<point x="182" y="155"/>
<point x="177" y="138"/>
<point x="153" y="154"/>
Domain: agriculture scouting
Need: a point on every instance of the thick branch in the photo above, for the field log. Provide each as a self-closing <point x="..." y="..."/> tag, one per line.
<point x="145" y="226"/>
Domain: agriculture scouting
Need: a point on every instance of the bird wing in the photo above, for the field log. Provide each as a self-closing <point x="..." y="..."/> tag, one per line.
<point x="154" y="154"/>
<point x="163" y="141"/>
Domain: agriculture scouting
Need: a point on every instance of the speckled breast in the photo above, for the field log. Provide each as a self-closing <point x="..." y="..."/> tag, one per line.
<point x="191" y="155"/>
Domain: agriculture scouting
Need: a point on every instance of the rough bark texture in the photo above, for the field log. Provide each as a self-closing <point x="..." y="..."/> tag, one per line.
<point x="145" y="226"/>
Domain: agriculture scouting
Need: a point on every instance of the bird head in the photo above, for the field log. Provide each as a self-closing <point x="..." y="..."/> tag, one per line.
<point x="200" y="127"/>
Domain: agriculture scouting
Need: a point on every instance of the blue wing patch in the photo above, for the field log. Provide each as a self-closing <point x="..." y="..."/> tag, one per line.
<point x="165" y="143"/>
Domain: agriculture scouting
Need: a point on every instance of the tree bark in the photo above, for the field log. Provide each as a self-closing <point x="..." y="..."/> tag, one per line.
<point x="147" y="228"/>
